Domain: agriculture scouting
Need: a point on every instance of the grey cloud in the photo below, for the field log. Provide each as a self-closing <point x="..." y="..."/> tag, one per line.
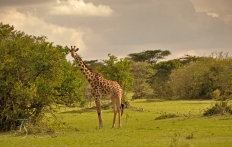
<point x="156" y="22"/>
<point x="23" y="2"/>
<point x="160" y="22"/>
<point x="137" y="24"/>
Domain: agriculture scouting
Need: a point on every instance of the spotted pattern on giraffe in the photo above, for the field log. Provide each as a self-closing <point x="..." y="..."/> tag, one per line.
<point x="101" y="88"/>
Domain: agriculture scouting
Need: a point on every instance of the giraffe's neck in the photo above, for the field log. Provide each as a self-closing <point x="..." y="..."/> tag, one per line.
<point x="85" y="69"/>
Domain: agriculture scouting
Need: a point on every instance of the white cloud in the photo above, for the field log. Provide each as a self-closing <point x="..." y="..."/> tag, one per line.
<point x="212" y="14"/>
<point x="220" y="9"/>
<point x="34" y="26"/>
<point x="79" y="7"/>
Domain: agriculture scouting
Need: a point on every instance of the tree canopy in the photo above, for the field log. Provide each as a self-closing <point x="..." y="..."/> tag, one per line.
<point x="200" y="79"/>
<point x="34" y="74"/>
<point x="150" y="56"/>
<point x="118" y="70"/>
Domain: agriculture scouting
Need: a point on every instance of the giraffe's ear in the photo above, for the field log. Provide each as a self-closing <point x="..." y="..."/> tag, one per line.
<point x="77" y="49"/>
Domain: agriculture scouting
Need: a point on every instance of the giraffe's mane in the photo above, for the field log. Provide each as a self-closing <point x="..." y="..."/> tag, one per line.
<point x="88" y="67"/>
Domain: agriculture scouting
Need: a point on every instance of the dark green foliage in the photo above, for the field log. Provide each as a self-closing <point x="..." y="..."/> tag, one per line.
<point x="150" y="56"/>
<point x="165" y="68"/>
<point x="34" y="75"/>
<point x="219" y="108"/>
<point x="186" y="59"/>
<point x="141" y="71"/>
<point x="200" y="79"/>
<point x="159" y="80"/>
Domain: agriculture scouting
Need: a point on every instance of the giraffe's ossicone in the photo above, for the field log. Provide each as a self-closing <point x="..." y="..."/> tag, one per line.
<point x="101" y="87"/>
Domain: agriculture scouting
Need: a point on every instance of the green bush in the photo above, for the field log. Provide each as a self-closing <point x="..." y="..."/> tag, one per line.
<point x="34" y="75"/>
<point x="200" y="79"/>
<point x="165" y="116"/>
<point x="219" y="108"/>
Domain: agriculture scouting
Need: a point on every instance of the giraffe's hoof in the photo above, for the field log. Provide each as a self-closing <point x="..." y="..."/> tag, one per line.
<point x="100" y="127"/>
<point x="112" y="127"/>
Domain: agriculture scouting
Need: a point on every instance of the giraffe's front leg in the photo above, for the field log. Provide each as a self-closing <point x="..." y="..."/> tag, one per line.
<point x="98" y="105"/>
<point x="100" y="120"/>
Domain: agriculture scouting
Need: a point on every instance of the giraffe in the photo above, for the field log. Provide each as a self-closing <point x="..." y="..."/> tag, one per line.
<point x="100" y="88"/>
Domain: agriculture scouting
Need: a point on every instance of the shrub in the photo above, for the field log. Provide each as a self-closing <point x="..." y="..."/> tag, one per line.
<point x="165" y="116"/>
<point x="207" y="78"/>
<point x="219" y="108"/>
<point x="34" y="75"/>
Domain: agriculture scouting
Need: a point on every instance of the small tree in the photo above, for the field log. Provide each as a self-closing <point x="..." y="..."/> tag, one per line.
<point x="118" y="70"/>
<point x="141" y="72"/>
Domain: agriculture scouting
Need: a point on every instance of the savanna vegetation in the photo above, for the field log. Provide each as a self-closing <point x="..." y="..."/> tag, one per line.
<point x="37" y="81"/>
<point x="158" y="123"/>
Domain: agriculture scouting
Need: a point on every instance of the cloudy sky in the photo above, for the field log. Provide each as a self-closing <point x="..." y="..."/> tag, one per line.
<point x="121" y="27"/>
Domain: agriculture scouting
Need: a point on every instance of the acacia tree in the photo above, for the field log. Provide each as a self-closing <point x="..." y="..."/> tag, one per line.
<point x="34" y="75"/>
<point x="150" y="56"/>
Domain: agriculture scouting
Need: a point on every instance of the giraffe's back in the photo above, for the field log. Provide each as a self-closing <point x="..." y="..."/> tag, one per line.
<point x="106" y="87"/>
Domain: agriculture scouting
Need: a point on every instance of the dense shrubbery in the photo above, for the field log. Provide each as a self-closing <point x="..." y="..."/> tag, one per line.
<point x="200" y="79"/>
<point x="142" y="71"/>
<point x="34" y="75"/>
<point x="189" y="77"/>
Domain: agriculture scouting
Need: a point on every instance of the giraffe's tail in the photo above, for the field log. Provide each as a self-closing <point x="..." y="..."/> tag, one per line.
<point x="122" y="101"/>
<point x="122" y="108"/>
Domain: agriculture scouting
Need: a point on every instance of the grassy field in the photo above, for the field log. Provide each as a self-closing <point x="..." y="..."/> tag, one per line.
<point x="188" y="128"/>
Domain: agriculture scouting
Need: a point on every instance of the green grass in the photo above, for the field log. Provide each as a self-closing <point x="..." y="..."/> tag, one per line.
<point x="187" y="129"/>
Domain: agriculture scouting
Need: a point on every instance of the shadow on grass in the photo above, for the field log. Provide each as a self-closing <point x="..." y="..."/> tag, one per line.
<point x="192" y="101"/>
<point x="229" y="118"/>
<point x="81" y="111"/>
<point x="165" y="115"/>
<point x="147" y="100"/>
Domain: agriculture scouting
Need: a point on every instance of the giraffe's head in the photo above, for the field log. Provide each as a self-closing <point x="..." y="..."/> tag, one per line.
<point x="73" y="51"/>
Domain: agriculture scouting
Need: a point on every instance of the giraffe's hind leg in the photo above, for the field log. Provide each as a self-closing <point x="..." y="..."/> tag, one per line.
<point x="117" y="112"/>
<point x="119" y="117"/>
